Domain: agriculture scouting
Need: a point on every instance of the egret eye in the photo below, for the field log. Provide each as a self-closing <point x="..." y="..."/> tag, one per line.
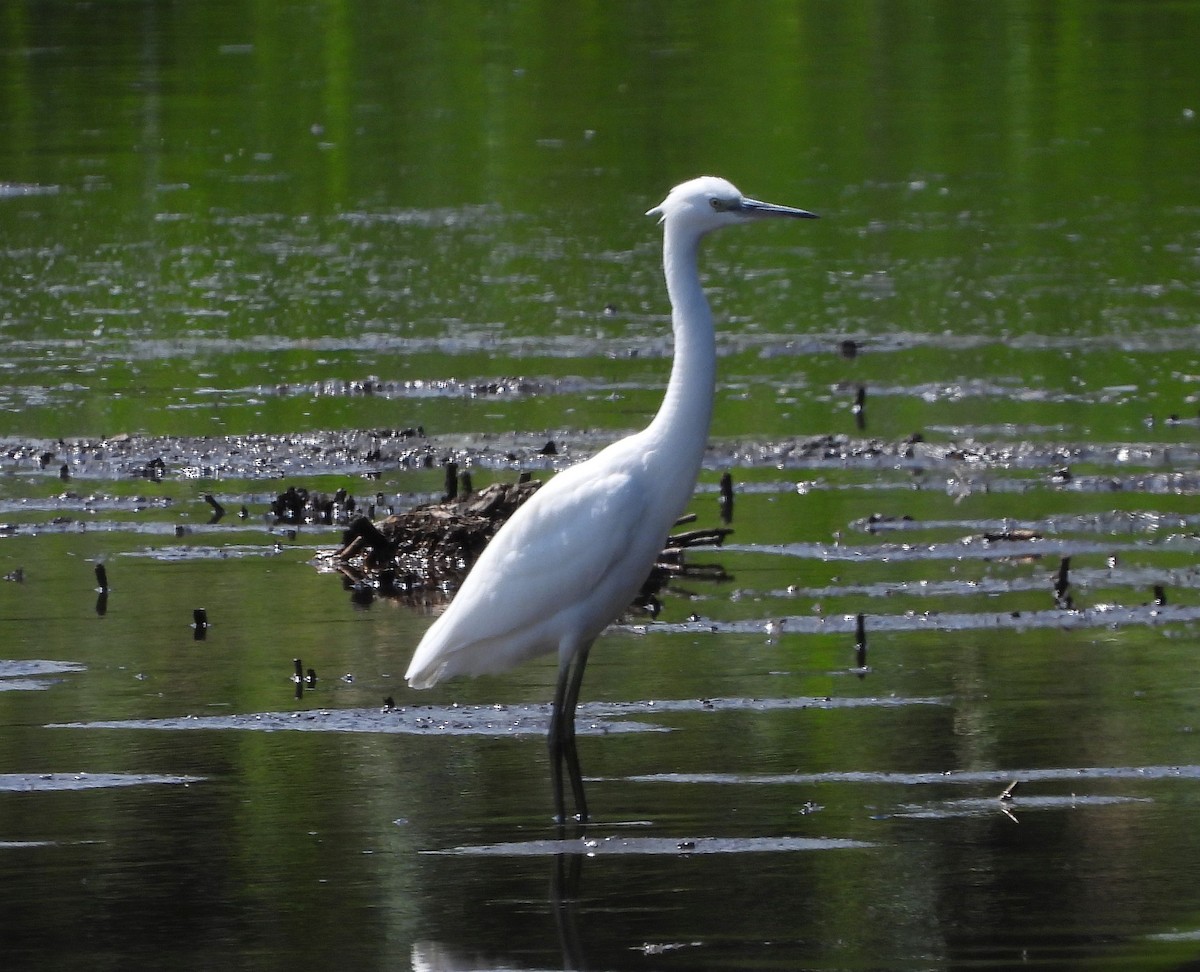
<point x="718" y="204"/>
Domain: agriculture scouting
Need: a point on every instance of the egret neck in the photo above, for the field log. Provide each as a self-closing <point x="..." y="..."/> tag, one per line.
<point x="685" y="414"/>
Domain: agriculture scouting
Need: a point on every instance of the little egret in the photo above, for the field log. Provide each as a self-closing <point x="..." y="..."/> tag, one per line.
<point x="573" y="557"/>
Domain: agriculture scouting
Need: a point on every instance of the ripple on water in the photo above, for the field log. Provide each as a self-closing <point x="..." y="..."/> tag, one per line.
<point x="595" y="718"/>
<point x="32" y="674"/>
<point x="57" y="782"/>
<point x="653" y="846"/>
<point x="953" y="809"/>
<point x="998" y="777"/>
<point x="18" y="668"/>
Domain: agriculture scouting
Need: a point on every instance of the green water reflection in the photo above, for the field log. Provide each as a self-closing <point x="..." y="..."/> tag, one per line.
<point x="222" y="218"/>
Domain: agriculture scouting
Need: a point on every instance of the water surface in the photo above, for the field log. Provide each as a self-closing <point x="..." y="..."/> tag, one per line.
<point x="338" y="245"/>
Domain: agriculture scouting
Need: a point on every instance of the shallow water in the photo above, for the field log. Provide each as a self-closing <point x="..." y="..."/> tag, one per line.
<point x="336" y="246"/>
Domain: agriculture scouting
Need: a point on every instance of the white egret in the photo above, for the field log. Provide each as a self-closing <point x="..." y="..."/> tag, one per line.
<point x="573" y="557"/>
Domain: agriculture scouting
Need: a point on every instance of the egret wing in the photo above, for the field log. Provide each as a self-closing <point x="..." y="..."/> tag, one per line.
<point x="557" y="565"/>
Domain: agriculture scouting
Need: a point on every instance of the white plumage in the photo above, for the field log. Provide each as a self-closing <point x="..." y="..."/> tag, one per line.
<point x="573" y="557"/>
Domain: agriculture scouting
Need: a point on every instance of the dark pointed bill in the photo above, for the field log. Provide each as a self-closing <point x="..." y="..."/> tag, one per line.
<point x="753" y="207"/>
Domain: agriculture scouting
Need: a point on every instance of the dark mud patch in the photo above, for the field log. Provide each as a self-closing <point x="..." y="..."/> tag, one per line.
<point x="1127" y="523"/>
<point x="179" y="554"/>
<point x="419" y="388"/>
<point x="362" y="452"/>
<point x="957" y="809"/>
<point x="966" y="460"/>
<point x="653" y="846"/>
<point x="498" y="720"/>
<point x="595" y="718"/>
<point x="255" y="457"/>
<point x="969" y="548"/>
<point x="759" y="704"/>
<point x="146" y="528"/>
<point x="1010" y="792"/>
<point x="1095" y="616"/>
<point x="1140" y="579"/>
<point x="998" y="778"/>
<point x="58" y="782"/>
<point x="90" y="503"/>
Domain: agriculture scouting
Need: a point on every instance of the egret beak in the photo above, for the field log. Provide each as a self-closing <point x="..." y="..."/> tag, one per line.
<point x="756" y="210"/>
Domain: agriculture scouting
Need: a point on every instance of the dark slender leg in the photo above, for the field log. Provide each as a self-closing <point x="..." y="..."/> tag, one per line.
<point x="562" y="736"/>
<point x="555" y="741"/>
<point x="570" y="754"/>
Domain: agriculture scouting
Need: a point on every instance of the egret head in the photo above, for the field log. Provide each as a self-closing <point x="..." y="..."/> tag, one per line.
<point x="709" y="202"/>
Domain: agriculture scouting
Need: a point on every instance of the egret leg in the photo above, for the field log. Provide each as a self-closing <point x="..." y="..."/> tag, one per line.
<point x="555" y="740"/>
<point x="570" y="753"/>
<point x="562" y="736"/>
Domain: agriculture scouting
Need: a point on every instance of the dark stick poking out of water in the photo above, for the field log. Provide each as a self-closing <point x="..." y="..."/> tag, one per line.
<point x="1062" y="585"/>
<point x="726" y="498"/>
<point x="860" y="642"/>
<point x="199" y="624"/>
<point x="217" y="508"/>
<point x="101" y="590"/>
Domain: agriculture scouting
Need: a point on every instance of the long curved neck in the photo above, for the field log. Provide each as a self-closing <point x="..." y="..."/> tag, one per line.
<point x="686" y="410"/>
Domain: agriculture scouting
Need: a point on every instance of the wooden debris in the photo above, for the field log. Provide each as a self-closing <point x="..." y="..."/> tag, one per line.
<point x="428" y="550"/>
<point x="430" y="546"/>
<point x="1012" y="536"/>
<point x="297" y="505"/>
<point x="726" y="498"/>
